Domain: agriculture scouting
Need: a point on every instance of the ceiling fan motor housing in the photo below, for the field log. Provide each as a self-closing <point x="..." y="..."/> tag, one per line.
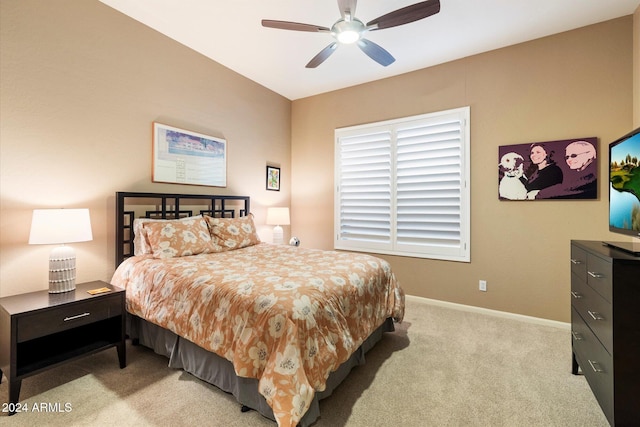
<point x="348" y="31"/>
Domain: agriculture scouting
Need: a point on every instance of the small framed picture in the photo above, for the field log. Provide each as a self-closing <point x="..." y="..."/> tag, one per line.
<point x="273" y="178"/>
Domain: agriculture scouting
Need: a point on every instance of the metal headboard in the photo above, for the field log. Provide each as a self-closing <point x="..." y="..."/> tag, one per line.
<point x="168" y="206"/>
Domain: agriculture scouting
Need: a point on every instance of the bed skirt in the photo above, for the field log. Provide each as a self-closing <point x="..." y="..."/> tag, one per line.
<point x="216" y="370"/>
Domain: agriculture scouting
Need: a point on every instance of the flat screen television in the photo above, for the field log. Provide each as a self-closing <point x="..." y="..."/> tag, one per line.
<point x="624" y="189"/>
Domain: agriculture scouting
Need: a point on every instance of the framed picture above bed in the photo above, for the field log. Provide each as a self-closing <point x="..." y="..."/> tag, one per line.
<point x="273" y="178"/>
<point x="185" y="157"/>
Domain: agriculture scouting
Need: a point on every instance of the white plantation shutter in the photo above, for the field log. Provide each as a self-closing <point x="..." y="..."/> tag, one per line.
<point x="429" y="186"/>
<point x="365" y="183"/>
<point x="402" y="186"/>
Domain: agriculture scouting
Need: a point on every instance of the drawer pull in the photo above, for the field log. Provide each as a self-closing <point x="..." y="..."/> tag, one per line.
<point x="576" y="295"/>
<point x="77" y="316"/>
<point x="595" y="275"/>
<point x="577" y="336"/>
<point x="595" y="315"/>
<point x="575" y="261"/>
<point x="595" y="366"/>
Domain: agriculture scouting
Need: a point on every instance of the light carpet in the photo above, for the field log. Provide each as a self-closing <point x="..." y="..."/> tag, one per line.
<point x="442" y="367"/>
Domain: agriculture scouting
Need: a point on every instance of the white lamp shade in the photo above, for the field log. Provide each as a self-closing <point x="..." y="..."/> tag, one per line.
<point x="60" y="226"/>
<point x="277" y="216"/>
<point x="55" y="226"/>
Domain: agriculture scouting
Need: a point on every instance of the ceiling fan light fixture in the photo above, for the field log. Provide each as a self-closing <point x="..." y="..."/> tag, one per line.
<point x="347" y="32"/>
<point x="348" y="37"/>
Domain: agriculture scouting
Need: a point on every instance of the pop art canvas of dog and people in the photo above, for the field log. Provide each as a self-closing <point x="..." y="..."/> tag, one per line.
<point x="566" y="169"/>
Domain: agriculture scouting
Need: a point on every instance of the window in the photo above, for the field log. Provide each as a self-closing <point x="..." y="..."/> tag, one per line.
<point x="402" y="187"/>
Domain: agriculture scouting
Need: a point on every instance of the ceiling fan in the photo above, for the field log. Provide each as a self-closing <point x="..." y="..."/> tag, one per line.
<point x="349" y="29"/>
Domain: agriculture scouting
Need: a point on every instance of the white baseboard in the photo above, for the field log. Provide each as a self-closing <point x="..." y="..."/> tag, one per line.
<point x="514" y="316"/>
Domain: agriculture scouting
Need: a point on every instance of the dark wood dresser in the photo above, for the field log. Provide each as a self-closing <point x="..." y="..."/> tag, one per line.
<point x="605" y="327"/>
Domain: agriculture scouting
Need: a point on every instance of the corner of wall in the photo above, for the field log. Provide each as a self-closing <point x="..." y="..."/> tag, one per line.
<point x="636" y="68"/>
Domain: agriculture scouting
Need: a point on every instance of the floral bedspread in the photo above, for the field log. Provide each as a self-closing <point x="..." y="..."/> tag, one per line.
<point x="285" y="315"/>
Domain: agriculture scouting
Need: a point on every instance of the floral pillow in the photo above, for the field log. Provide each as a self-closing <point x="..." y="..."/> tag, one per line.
<point x="177" y="238"/>
<point x="140" y="241"/>
<point x="232" y="233"/>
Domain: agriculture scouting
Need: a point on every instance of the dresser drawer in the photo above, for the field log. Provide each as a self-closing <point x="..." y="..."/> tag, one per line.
<point x="610" y="289"/>
<point x="595" y="362"/>
<point x="579" y="262"/>
<point x="67" y="316"/>
<point x="594" y="309"/>
<point x="599" y="272"/>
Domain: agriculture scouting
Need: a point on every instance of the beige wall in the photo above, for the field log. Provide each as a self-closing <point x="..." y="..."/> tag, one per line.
<point x="636" y="68"/>
<point x="571" y="85"/>
<point x="80" y="87"/>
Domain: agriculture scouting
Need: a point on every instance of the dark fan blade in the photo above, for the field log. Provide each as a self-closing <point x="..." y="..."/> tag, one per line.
<point x="295" y="26"/>
<point x="347" y="8"/>
<point x="375" y="52"/>
<point x="322" y="56"/>
<point x="405" y="15"/>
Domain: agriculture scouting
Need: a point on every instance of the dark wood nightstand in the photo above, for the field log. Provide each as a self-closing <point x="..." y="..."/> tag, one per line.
<point x="40" y="330"/>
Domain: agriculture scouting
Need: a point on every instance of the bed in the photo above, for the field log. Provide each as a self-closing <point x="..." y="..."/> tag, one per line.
<point x="277" y="326"/>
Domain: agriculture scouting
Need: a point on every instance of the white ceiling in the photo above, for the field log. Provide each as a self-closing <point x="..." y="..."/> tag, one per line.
<point x="230" y="33"/>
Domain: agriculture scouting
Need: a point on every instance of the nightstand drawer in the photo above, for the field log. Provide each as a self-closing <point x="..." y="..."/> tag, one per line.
<point x="68" y="316"/>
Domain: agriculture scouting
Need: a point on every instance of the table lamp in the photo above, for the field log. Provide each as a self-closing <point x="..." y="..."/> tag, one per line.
<point x="60" y="226"/>
<point x="277" y="217"/>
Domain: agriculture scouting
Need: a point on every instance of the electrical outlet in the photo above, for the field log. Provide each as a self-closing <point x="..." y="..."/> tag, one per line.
<point x="482" y="285"/>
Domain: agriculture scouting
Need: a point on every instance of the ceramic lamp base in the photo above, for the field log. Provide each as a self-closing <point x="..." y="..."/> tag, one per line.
<point x="62" y="269"/>
<point x="278" y="235"/>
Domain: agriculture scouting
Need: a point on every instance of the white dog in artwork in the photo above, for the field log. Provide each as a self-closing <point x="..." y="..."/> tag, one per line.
<point x="511" y="187"/>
